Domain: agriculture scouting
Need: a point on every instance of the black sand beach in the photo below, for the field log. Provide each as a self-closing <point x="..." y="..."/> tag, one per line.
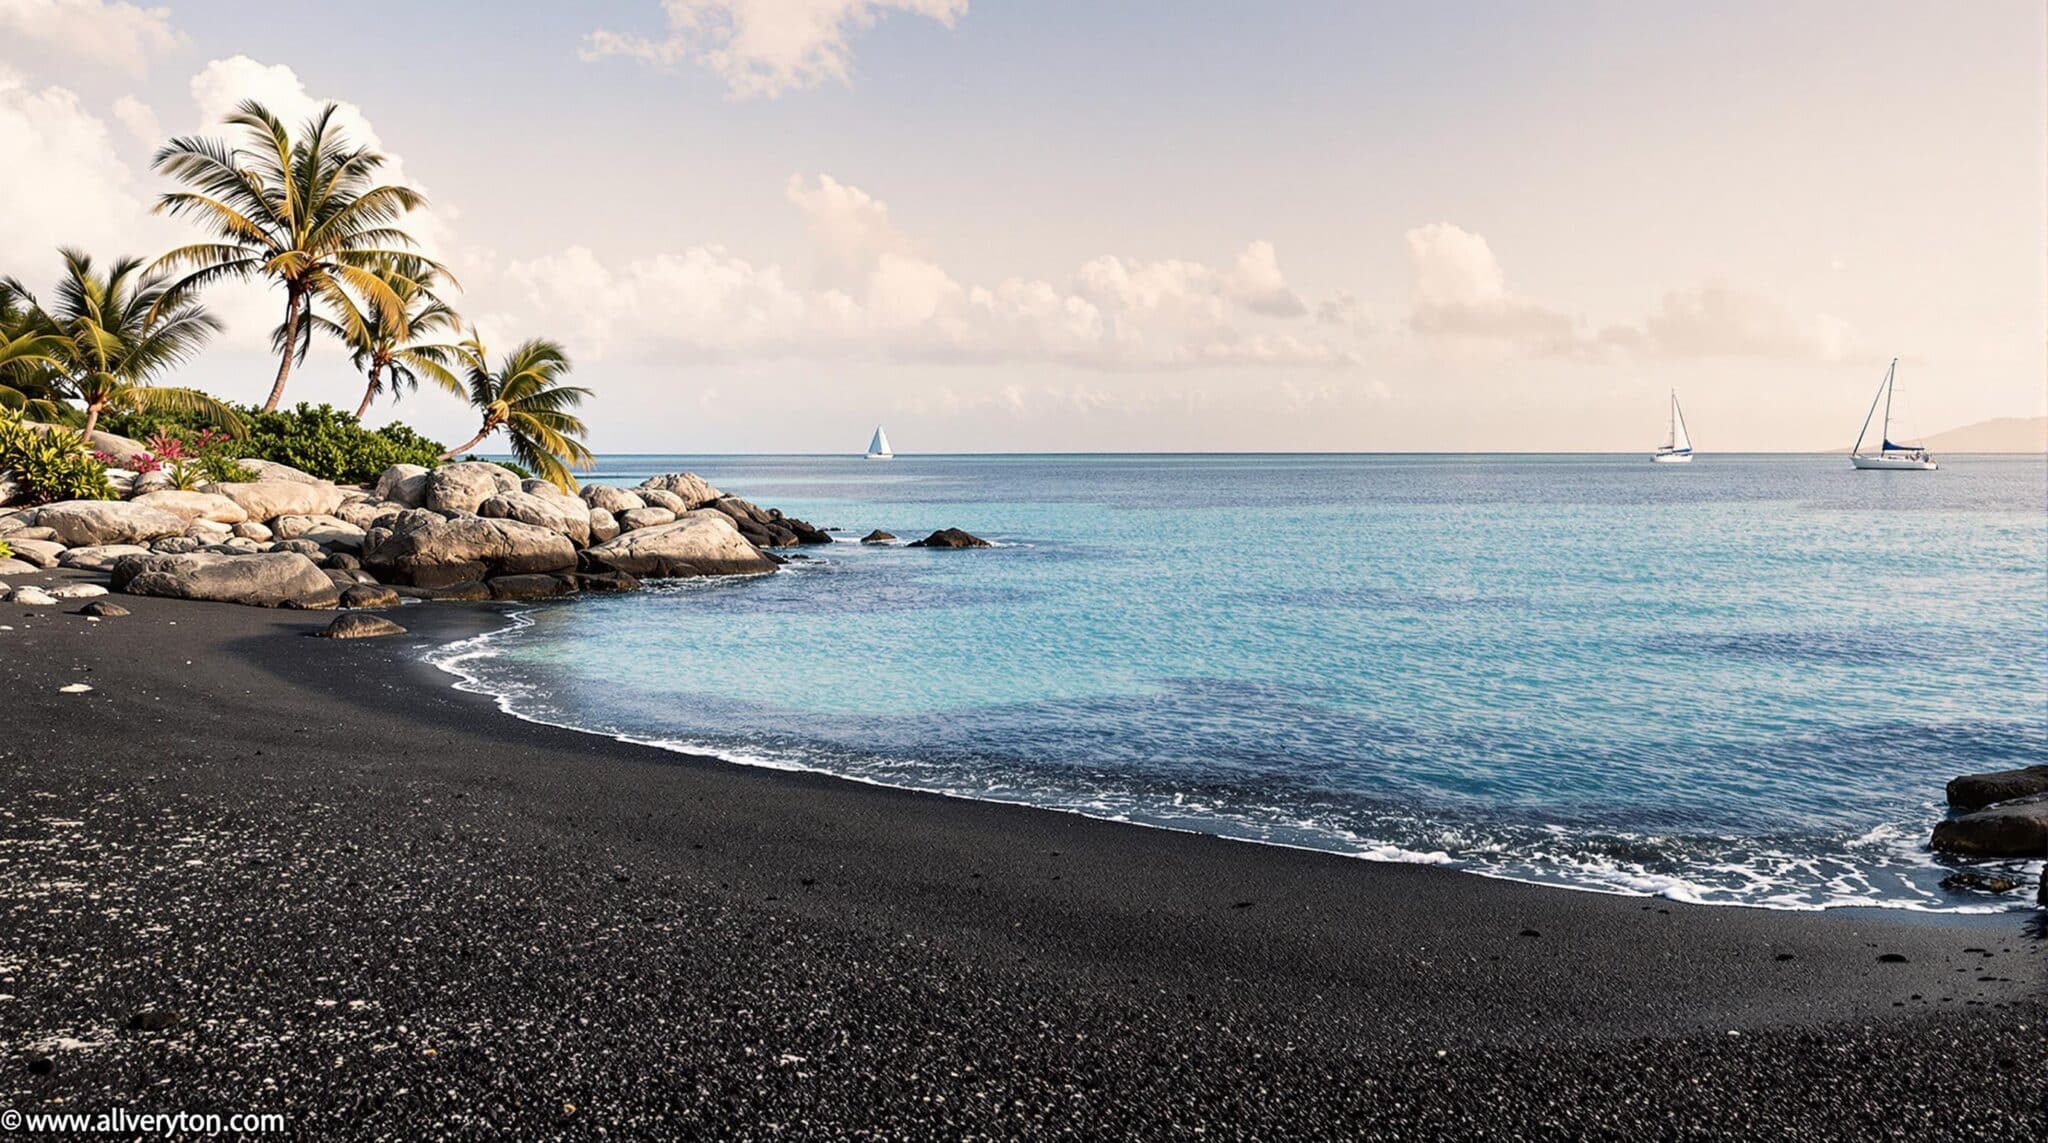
<point x="251" y="871"/>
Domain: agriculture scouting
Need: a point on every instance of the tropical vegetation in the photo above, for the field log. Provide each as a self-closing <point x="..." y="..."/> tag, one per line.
<point x="305" y="211"/>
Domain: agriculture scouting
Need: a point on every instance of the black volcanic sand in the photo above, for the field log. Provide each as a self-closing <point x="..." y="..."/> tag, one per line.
<point x="255" y="871"/>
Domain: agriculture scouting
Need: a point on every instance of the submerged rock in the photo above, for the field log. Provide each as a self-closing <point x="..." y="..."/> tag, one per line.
<point x="951" y="538"/>
<point x="878" y="536"/>
<point x="2017" y="828"/>
<point x="1975" y="791"/>
<point x="359" y="625"/>
<point x="1972" y="881"/>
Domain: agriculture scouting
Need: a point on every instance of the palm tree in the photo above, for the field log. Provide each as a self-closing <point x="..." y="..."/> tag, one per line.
<point x="306" y="213"/>
<point x="392" y="352"/>
<point x="111" y="333"/>
<point x="526" y="398"/>
<point x="28" y="358"/>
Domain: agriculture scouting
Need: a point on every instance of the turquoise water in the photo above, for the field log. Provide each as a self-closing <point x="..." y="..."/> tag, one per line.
<point x="1742" y="681"/>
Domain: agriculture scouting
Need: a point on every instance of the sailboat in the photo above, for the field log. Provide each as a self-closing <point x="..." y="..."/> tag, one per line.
<point x="878" y="449"/>
<point x="1677" y="446"/>
<point x="1907" y="458"/>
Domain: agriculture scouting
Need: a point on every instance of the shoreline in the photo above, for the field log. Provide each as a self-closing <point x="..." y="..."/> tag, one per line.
<point x="533" y="918"/>
<point x="514" y="619"/>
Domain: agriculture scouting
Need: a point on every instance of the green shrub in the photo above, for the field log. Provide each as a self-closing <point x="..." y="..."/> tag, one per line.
<point x="6" y="552"/>
<point x="318" y="439"/>
<point x="52" y="465"/>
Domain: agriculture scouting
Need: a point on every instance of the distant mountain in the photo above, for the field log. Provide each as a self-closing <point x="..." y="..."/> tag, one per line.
<point x="2001" y="434"/>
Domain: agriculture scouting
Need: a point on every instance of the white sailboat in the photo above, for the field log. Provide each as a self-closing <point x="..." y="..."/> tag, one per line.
<point x="878" y="449"/>
<point x="1677" y="446"/>
<point x="1894" y="457"/>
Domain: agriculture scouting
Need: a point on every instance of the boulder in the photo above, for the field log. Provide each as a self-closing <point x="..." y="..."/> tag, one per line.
<point x="462" y="487"/>
<point x="328" y="531"/>
<point x="436" y="552"/>
<point x="951" y="538"/>
<point x="273" y="579"/>
<point x="878" y="536"/>
<point x="699" y="543"/>
<point x="1975" y="791"/>
<point x="176" y="545"/>
<point x="470" y="591"/>
<point x="235" y="546"/>
<point x="269" y="499"/>
<point x="348" y="578"/>
<point x="404" y="485"/>
<point x="613" y="500"/>
<point x="36" y="553"/>
<point x="368" y="595"/>
<point x="11" y="490"/>
<point x="212" y="531"/>
<point x="191" y="506"/>
<point x="356" y="625"/>
<point x="260" y="533"/>
<point x="603" y="525"/>
<point x="99" y="558"/>
<point x="307" y="548"/>
<point x="612" y="583"/>
<point x="530" y="586"/>
<point x="2017" y="828"/>
<point x="341" y="561"/>
<point x="366" y="513"/>
<point x="15" y="567"/>
<point x="102" y="609"/>
<point x="272" y="470"/>
<point x="1973" y="881"/>
<point x="78" y="591"/>
<point x="26" y="596"/>
<point x="640" y="518"/>
<point x="81" y="523"/>
<point x="157" y="481"/>
<point x="556" y="513"/>
<point x="693" y="489"/>
<point x="659" y="498"/>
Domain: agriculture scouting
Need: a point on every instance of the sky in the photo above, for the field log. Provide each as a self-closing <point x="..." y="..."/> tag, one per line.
<point x="1001" y="225"/>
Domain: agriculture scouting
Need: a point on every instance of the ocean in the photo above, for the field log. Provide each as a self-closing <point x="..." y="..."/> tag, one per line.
<point x="1742" y="681"/>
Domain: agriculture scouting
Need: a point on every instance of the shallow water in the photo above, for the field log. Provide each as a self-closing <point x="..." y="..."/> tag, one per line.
<point x="1743" y="681"/>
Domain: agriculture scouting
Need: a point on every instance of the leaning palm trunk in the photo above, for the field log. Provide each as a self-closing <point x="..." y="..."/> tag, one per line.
<point x="474" y="441"/>
<point x="292" y="314"/>
<point x="369" y="392"/>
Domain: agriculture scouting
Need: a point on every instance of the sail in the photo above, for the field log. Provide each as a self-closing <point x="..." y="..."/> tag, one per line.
<point x="1681" y="441"/>
<point x="880" y="445"/>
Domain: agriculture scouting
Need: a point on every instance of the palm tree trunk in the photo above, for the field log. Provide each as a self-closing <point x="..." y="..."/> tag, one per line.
<point x="369" y="392"/>
<point x="294" y="303"/>
<point x="474" y="441"/>
<point x="92" y="419"/>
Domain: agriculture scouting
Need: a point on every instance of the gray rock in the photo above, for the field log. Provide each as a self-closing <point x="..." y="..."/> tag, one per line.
<point x="191" y="506"/>
<point x="613" y="500"/>
<point x="77" y="591"/>
<point x="260" y="533"/>
<point x="662" y="498"/>
<point x="530" y="586"/>
<point x="176" y="545"/>
<point x="2017" y="828"/>
<point x="356" y="625"/>
<point x="158" y="481"/>
<point x="603" y="525"/>
<point x="447" y="552"/>
<point x="327" y="531"/>
<point x="699" y="543"/>
<point x="555" y="513"/>
<point x="16" y="567"/>
<point x="273" y="579"/>
<point x="951" y="538"/>
<point x="103" y="609"/>
<point x="878" y="536"/>
<point x="694" y="490"/>
<point x="462" y="487"/>
<point x="36" y="553"/>
<point x="307" y="548"/>
<point x="211" y="531"/>
<point x="469" y="591"/>
<point x="87" y="523"/>
<point x="269" y="499"/>
<point x="28" y="596"/>
<point x="368" y="595"/>
<point x="272" y="470"/>
<point x="1975" y="881"/>
<point x="1975" y="791"/>
<point x="404" y="485"/>
<point x="640" y="518"/>
<point x="99" y="557"/>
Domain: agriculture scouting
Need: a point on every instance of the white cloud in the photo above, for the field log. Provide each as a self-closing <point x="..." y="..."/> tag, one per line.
<point x="875" y="296"/>
<point x="1460" y="296"/>
<point x="764" y="47"/>
<point x="117" y="35"/>
<point x="140" y="120"/>
<point x="80" y="193"/>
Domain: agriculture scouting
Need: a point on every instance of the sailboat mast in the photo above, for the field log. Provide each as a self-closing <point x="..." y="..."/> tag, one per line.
<point x="1673" y="442"/>
<point x="1865" y="430"/>
<point x="1889" y="376"/>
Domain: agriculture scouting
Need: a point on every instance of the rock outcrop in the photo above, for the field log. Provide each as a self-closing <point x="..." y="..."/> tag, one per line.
<point x="693" y="490"/>
<point x="951" y="538"/>
<point x="1975" y="791"/>
<point x="2017" y="828"/>
<point x="272" y="579"/>
<point x="271" y="470"/>
<point x="358" y="625"/>
<point x="554" y="512"/>
<point x="78" y="523"/>
<point x="193" y="506"/>
<point x="698" y="544"/>
<point x="269" y="499"/>
<point x="426" y="550"/>
<point x="613" y="500"/>
<point x="404" y="484"/>
<point x="464" y="487"/>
